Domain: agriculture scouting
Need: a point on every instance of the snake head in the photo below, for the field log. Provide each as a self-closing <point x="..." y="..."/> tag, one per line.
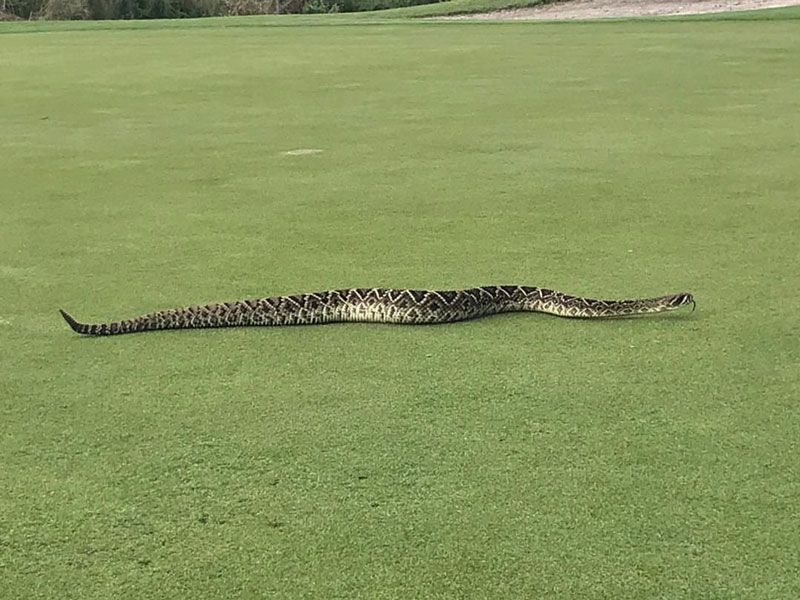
<point x="679" y="300"/>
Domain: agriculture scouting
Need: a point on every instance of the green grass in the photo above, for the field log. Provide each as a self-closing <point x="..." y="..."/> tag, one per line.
<point x="521" y="456"/>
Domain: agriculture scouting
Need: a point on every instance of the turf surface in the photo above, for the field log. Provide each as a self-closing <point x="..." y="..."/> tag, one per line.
<point x="521" y="456"/>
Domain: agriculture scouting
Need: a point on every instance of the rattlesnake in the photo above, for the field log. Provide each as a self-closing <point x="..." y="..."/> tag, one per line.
<point x="382" y="305"/>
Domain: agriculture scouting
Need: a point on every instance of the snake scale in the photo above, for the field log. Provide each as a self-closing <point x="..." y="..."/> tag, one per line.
<point x="384" y="305"/>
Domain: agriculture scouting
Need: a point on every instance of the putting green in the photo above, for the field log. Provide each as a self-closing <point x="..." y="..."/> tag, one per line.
<point x="521" y="456"/>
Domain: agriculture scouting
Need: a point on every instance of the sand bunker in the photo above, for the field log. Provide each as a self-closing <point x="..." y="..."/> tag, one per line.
<point x="610" y="9"/>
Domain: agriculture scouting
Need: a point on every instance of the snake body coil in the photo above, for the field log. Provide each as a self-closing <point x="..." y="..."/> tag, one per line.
<point x="382" y="305"/>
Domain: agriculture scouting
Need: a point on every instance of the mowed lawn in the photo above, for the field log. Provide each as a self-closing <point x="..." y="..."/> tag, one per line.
<point x="520" y="456"/>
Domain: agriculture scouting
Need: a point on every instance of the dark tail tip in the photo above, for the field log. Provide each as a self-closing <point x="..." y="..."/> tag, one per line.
<point x="74" y="325"/>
